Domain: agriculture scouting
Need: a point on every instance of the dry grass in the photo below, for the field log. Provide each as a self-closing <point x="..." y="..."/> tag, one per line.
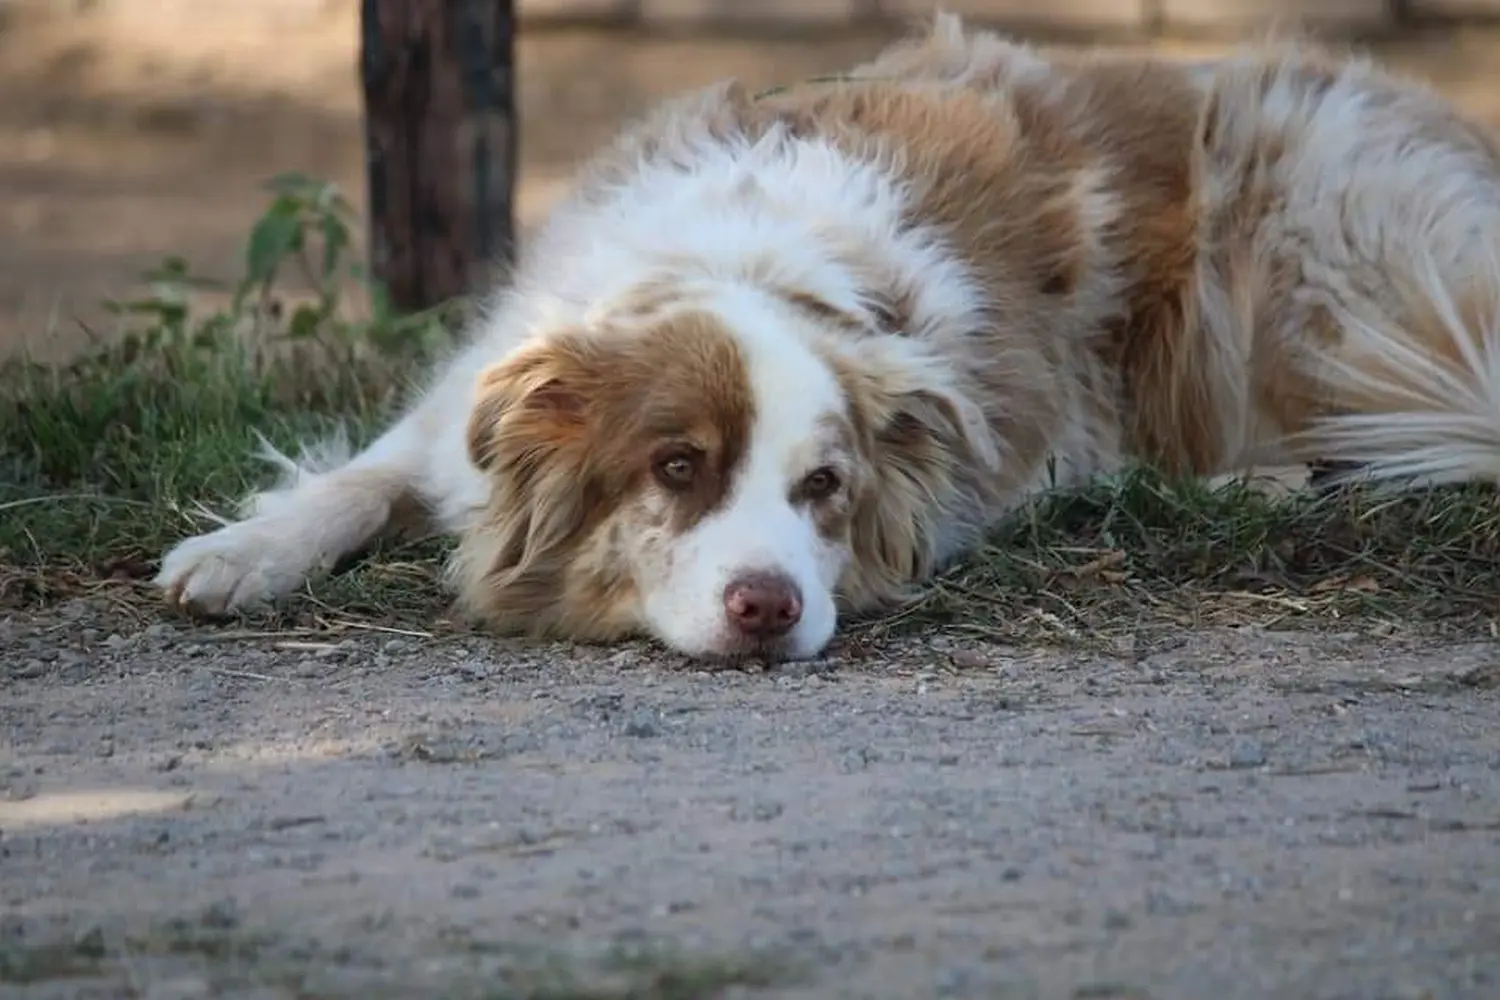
<point x="1142" y="552"/>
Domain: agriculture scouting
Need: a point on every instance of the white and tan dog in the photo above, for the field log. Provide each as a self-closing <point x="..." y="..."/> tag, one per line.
<point x="786" y="354"/>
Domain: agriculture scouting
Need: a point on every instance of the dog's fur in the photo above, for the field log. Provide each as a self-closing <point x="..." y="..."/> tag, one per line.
<point x="832" y="333"/>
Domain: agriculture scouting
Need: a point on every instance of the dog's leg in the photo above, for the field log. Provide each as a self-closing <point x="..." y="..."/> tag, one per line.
<point x="327" y="508"/>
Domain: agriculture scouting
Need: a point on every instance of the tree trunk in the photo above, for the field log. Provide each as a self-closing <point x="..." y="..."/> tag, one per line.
<point x="440" y="131"/>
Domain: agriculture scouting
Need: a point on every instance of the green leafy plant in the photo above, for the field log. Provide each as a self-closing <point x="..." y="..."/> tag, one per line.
<point x="311" y="226"/>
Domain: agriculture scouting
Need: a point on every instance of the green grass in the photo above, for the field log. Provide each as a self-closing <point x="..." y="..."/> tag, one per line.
<point x="106" y="462"/>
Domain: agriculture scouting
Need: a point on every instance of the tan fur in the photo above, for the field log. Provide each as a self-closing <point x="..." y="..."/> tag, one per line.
<point x="920" y="474"/>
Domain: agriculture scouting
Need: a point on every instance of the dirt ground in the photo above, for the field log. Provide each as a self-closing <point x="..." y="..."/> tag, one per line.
<point x="194" y="812"/>
<point x="1228" y="814"/>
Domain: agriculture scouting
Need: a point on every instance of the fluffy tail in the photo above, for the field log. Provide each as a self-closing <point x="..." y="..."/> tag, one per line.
<point x="1419" y="386"/>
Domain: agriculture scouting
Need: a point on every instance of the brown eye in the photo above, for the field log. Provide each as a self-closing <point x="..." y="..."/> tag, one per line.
<point x="675" y="471"/>
<point x="820" y="484"/>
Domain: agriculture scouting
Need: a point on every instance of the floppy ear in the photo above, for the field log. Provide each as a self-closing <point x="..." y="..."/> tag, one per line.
<point x="931" y="451"/>
<point x="531" y="429"/>
<point x="538" y="399"/>
<point x="906" y="401"/>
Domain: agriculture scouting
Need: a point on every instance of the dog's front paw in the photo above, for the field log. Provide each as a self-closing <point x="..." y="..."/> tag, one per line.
<point x="239" y="567"/>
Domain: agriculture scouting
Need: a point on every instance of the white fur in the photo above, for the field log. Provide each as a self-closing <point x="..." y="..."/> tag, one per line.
<point x="1446" y="423"/>
<point x="1391" y="225"/>
<point x="759" y="528"/>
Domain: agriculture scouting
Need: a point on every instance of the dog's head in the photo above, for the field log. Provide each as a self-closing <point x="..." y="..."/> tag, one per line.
<point x="713" y="471"/>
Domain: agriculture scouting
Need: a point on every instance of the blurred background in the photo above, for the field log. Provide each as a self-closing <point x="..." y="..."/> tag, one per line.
<point x="131" y="130"/>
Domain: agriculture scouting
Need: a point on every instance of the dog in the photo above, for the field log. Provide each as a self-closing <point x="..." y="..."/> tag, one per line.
<point x="783" y="356"/>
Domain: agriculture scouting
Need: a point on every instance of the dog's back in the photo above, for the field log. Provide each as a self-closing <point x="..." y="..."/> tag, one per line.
<point x="1350" y="258"/>
<point x="1305" y="246"/>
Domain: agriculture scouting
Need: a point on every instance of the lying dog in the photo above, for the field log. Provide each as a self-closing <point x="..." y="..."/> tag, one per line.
<point x="787" y="353"/>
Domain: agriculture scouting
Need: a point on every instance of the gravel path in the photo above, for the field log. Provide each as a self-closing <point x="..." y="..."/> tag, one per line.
<point x="194" y="812"/>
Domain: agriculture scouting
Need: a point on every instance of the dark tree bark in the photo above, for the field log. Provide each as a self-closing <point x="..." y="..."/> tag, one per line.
<point x="441" y="136"/>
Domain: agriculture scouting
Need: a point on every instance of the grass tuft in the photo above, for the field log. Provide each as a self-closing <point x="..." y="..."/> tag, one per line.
<point x="137" y="443"/>
<point x="107" y="461"/>
<point x="1142" y="550"/>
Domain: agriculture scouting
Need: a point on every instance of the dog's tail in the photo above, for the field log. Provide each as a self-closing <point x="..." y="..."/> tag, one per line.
<point x="1416" y="390"/>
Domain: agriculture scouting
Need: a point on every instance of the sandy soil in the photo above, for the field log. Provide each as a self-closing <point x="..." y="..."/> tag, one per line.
<point x="1224" y="814"/>
<point x="207" y="812"/>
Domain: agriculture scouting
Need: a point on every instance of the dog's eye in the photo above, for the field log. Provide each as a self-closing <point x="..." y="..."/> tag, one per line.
<point x="675" y="471"/>
<point x="820" y="484"/>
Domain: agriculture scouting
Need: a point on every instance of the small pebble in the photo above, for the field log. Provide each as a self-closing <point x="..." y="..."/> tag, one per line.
<point x="28" y="669"/>
<point x="90" y="943"/>
<point x="1247" y="753"/>
<point x="760" y="811"/>
<point x="642" y="725"/>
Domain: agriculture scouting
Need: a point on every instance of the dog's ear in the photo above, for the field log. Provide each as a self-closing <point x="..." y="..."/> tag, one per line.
<point x="937" y="416"/>
<point x="929" y="447"/>
<point x="537" y="398"/>
<point x="908" y="403"/>
<point x="532" y="428"/>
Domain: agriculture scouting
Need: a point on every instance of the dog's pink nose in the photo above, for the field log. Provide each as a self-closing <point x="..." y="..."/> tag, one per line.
<point x="763" y="605"/>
